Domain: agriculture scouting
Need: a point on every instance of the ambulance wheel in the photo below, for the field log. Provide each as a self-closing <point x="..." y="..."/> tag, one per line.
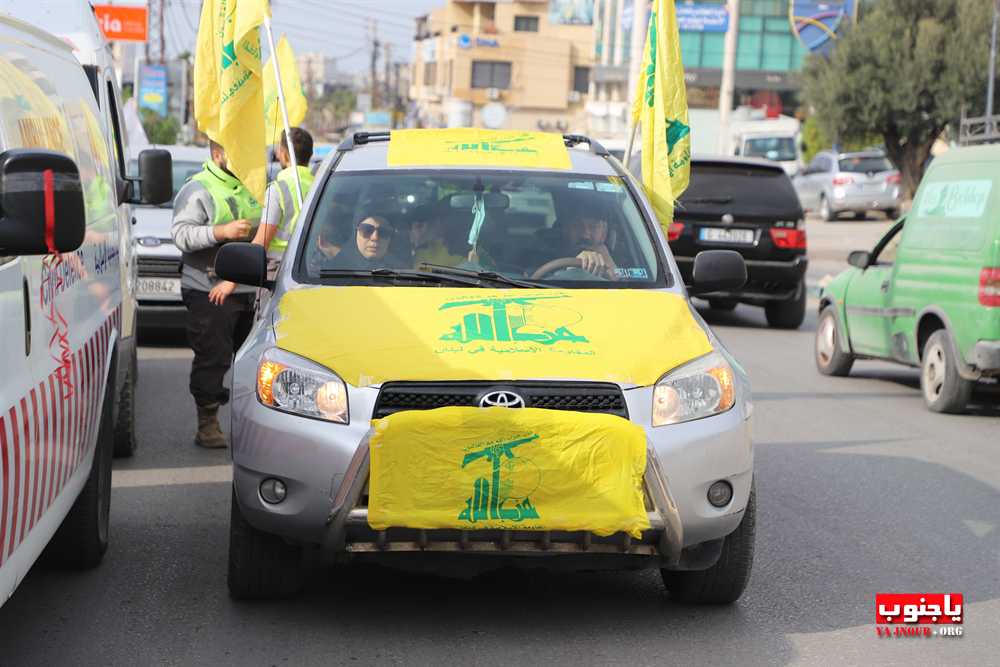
<point x="724" y="582"/>
<point x="125" y="439"/>
<point x="82" y="539"/>
<point x="261" y="565"/>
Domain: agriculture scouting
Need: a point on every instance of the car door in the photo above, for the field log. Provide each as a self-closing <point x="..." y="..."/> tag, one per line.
<point x="804" y="185"/>
<point x="869" y="298"/>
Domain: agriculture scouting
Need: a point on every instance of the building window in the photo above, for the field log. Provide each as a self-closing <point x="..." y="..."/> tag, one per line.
<point x="430" y="71"/>
<point x="490" y="74"/>
<point x="581" y="79"/>
<point x="526" y="24"/>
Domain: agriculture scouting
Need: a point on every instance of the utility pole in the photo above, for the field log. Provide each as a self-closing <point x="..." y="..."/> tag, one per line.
<point x="388" y="74"/>
<point x="640" y="30"/>
<point x="993" y="64"/>
<point x="163" y="34"/>
<point x="373" y="32"/>
<point x="727" y="90"/>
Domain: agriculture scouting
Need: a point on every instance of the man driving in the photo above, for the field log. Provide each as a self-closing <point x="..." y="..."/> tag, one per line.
<point x="585" y="237"/>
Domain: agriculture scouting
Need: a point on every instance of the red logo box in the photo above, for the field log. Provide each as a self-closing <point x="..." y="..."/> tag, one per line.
<point x="927" y="608"/>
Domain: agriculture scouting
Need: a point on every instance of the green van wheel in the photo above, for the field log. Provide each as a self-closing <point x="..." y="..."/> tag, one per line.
<point x="944" y="389"/>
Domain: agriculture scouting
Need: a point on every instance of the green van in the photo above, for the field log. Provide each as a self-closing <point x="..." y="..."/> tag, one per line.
<point x="928" y="293"/>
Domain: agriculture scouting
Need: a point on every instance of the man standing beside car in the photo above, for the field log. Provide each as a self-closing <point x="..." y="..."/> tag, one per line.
<point x="213" y="208"/>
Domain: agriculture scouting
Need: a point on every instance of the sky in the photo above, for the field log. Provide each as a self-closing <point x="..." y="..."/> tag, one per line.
<point x="333" y="27"/>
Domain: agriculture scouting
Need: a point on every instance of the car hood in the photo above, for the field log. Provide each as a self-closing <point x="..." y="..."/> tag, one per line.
<point x="370" y="335"/>
<point x="152" y="221"/>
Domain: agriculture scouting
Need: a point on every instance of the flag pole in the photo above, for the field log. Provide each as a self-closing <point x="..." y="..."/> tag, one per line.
<point x="639" y="27"/>
<point x="284" y="109"/>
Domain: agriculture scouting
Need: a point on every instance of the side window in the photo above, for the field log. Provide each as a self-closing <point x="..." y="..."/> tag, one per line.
<point x="116" y="129"/>
<point x="885" y="251"/>
<point x="825" y="164"/>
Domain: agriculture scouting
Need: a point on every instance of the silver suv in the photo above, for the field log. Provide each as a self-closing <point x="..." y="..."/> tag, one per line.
<point x="836" y="183"/>
<point x="446" y="293"/>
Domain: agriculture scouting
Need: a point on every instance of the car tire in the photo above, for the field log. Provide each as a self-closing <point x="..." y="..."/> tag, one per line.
<point x="724" y="582"/>
<point x="892" y="213"/>
<point x="724" y="305"/>
<point x="943" y="388"/>
<point x="261" y="565"/>
<point x="126" y="441"/>
<point x="787" y="314"/>
<point x="825" y="211"/>
<point x="82" y="538"/>
<point x="831" y="357"/>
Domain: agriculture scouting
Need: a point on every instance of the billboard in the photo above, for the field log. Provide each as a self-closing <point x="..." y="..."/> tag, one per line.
<point x="817" y="24"/>
<point x="123" y="23"/>
<point x="153" y="88"/>
<point x="571" y="12"/>
<point x="702" y="18"/>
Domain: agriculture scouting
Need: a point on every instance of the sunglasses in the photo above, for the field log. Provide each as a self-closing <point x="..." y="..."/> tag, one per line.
<point x="367" y="229"/>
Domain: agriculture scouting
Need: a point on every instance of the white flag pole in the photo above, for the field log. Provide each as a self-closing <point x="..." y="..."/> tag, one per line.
<point x="284" y="108"/>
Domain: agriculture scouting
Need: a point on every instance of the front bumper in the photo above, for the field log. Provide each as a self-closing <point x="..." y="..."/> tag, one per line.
<point x="162" y="315"/>
<point x="767" y="280"/>
<point x="986" y="356"/>
<point x="324" y="467"/>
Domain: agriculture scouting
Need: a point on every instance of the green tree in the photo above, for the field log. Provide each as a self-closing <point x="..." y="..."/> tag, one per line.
<point x="905" y="72"/>
<point x="814" y="140"/>
<point x="160" y="130"/>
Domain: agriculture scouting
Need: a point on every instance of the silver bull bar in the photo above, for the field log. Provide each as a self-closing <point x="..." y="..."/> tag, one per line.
<point x="663" y="539"/>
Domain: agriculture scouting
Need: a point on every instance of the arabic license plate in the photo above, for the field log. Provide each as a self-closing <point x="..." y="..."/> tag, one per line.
<point x="722" y="235"/>
<point x="159" y="288"/>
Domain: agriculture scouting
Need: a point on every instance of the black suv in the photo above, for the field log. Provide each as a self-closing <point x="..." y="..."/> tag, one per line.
<point x="751" y="207"/>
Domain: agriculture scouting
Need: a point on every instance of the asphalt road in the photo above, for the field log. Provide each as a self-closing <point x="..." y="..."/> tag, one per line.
<point x="861" y="490"/>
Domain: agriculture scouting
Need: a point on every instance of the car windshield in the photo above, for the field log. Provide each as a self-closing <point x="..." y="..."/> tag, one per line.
<point x="183" y="170"/>
<point x="781" y="149"/>
<point x="535" y="228"/>
<point x="863" y="164"/>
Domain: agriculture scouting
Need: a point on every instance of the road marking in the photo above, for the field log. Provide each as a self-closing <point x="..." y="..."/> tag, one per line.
<point x="978" y="528"/>
<point x="129" y="479"/>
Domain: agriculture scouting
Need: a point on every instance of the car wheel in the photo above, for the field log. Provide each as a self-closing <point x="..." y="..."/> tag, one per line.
<point x="125" y="439"/>
<point x="724" y="582"/>
<point x="944" y="389"/>
<point x="261" y="565"/>
<point x="82" y="538"/>
<point x="722" y="304"/>
<point x="825" y="211"/>
<point x="831" y="359"/>
<point x="787" y="314"/>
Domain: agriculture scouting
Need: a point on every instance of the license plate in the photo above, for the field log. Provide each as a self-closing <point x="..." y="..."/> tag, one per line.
<point x="159" y="288"/>
<point x="723" y="235"/>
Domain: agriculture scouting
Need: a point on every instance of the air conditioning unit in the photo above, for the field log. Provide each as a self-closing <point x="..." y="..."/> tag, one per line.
<point x="574" y="96"/>
<point x="493" y="93"/>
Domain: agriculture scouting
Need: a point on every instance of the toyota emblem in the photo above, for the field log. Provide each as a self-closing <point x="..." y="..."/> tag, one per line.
<point x="501" y="399"/>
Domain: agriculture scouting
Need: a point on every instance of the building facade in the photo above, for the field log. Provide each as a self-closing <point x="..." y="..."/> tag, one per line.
<point x="504" y="64"/>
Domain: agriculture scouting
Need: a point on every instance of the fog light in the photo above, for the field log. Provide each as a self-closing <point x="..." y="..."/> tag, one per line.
<point x="273" y="490"/>
<point x="720" y="493"/>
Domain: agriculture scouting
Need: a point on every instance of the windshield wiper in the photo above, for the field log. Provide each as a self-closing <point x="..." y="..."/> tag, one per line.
<point x="489" y="276"/>
<point x="405" y="274"/>
<point x="707" y="200"/>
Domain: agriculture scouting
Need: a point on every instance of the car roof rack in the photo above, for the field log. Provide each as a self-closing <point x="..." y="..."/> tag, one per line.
<point x="362" y="138"/>
<point x="595" y="147"/>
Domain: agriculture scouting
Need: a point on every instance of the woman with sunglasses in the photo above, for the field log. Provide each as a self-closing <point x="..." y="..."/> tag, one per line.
<point x="373" y="239"/>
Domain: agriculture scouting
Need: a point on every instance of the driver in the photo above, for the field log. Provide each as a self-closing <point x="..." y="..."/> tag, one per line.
<point x="585" y="238"/>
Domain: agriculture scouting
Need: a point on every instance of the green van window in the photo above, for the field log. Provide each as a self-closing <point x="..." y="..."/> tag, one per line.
<point x="955" y="199"/>
<point x="951" y="208"/>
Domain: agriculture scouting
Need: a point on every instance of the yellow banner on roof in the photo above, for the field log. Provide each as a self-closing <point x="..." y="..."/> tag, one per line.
<point x="530" y="469"/>
<point x="370" y="335"/>
<point x="470" y="147"/>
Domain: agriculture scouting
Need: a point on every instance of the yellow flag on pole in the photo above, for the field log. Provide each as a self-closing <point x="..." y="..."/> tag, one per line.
<point x="228" y="95"/>
<point x="660" y="107"/>
<point x="291" y="84"/>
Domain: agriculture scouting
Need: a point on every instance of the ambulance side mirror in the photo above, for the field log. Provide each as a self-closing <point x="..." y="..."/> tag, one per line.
<point x="242" y="263"/>
<point x="156" y="181"/>
<point x="41" y="203"/>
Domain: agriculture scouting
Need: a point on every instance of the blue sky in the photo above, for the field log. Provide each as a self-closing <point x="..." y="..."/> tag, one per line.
<point x="333" y="27"/>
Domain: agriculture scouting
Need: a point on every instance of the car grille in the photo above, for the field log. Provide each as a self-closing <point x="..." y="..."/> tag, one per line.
<point x="579" y="396"/>
<point x="167" y="268"/>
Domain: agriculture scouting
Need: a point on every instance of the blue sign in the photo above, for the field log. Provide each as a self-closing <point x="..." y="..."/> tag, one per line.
<point x="702" y="18"/>
<point x="153" y="88"/>
<point x="466" y="42"/>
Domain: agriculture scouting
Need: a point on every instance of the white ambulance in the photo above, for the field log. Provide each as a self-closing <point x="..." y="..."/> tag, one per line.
<point x="62" y="193"/>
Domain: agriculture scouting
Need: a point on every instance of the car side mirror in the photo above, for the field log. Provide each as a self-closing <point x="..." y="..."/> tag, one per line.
<point x="155" y="177"/>
<point x="717" y="270"/>
<point x="860" y="259"/>
<point x="41" y="203"/>
<point x="243" y="263"/>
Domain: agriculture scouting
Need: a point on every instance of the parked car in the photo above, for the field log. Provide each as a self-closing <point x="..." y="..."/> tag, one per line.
<point x="856" y="183"/>
<point x="928" y="293"/>
<point x="158" y="287"/>
<point x="512" y="320"/>
<point x="746" y="205"/>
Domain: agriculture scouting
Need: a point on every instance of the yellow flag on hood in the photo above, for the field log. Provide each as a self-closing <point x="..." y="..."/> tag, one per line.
<point x="291" y="84"/>
<point x="228" y="95"/>
<point x="660" y="106"/>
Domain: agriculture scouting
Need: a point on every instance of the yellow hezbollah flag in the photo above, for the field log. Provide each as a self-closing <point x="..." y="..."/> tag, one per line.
<point x="660" y="106"/>
<point x="477" y="148"/>
<point x="496" y="468"/>
<point x="295" y="99"/>
<point x="228" y="100"/>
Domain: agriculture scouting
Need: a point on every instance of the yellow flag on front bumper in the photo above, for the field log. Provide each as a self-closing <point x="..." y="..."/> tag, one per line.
<point x="497" y="468"/>
<point x="291" y="85"/>
<point x="228" y="96"/>
<point x="660" y="107"/>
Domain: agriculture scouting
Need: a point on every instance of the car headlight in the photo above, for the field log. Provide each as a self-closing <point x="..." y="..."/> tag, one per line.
<point x="701" y="388"/>
<point x="293" y="384"/>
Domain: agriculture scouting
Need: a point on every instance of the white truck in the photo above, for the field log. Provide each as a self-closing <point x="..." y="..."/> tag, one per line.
<point x="775" y="139"/>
